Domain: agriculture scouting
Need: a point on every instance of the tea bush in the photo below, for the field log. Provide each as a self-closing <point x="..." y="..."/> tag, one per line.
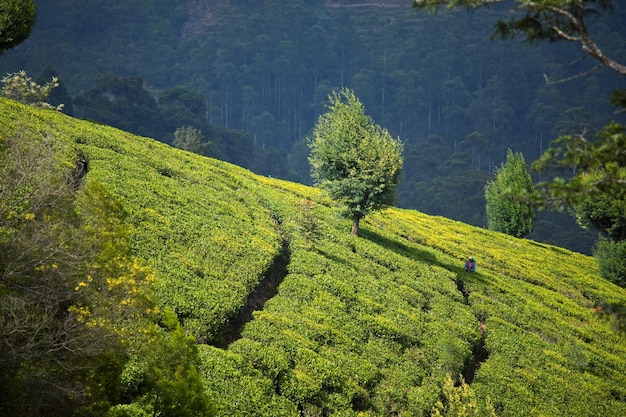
<point x="368" y="326"/>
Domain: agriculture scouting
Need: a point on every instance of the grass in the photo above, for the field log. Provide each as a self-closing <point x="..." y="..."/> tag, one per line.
<point x="369" y="325"/>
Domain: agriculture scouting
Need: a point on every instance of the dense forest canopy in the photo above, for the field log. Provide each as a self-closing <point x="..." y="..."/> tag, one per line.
<point x="256" y="75"/>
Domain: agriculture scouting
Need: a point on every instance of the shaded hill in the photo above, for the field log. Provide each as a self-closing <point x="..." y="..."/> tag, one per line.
<point x="369" y="325"/>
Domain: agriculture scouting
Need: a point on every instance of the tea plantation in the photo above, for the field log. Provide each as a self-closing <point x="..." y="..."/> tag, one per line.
<point x="294" y="316"/>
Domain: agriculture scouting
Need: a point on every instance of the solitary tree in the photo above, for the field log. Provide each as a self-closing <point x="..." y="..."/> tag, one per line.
<point x="505" y="212"/>
<point x="17" y="18"/>
<point x="356" y="161"/>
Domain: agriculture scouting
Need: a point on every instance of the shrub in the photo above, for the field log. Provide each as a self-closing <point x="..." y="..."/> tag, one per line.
<point x="20" y="87"/>
<point x="611" y="258"/>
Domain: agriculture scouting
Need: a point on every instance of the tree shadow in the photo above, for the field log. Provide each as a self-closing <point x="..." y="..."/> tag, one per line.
<point x="333" y="258"/>
<point x="414" y="254"/>
<point x="479" y="353"/>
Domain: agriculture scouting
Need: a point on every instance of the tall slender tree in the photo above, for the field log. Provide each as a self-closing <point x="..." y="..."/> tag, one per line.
<point x="505" y="213"/>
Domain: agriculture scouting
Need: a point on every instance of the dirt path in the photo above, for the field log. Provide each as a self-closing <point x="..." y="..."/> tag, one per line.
<point x="267" y="288"/>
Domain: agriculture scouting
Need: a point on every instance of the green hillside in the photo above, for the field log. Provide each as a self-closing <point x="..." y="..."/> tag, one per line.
<point x="254" y="76"/>
<point x="342" y="325"/>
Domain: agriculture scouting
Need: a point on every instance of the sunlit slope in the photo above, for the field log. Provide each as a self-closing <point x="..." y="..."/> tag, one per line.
<point x="369" y="325"/>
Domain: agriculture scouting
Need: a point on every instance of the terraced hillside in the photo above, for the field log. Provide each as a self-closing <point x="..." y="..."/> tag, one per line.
<point x="295" y="316"/>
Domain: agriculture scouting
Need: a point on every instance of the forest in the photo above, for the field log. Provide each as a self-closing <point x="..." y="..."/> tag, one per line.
<point x="254" y="76"/>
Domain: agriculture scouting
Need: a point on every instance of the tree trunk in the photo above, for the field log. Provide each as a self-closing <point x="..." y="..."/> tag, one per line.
<point x="355" y="224"/>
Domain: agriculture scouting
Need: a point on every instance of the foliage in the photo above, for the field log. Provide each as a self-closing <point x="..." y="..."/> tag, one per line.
<point x="259" y="74"/>
<point x="442" y="196"/>
<point x="460" y="401"/>
<point x="356" y="161"/>
<point x="368" y="326"/>
<point x="68" y="277"/>
<point x="20" y="87"/>
<point x="504" y="212"/>
<point x="52" y="287"/>
<point x="603" y="209"/>
<point x="189" y="139"/>
<point x="604" y="159"/>
<point x="17" y="18"/>
<point x="120" y="102"/>
<point x="128" y="104"/>
<point x="610" y="255"/>
<point x="178" y="106"/>
<point x="161" y="377"/>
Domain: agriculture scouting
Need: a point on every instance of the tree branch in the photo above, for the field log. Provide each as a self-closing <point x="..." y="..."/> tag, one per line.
<point x="585" y="40"/>
<point x="573" y="77"/>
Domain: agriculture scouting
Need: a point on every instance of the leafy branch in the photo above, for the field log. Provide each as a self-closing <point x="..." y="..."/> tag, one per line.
<point x="544" y="20"/>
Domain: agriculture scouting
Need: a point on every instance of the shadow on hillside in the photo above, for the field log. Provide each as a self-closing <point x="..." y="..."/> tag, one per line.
<point x="412" y="253"/>
<point x="267" y="288"/>
<point x="331" y="257"/>
<point x="423" y="256"/>
<point x="399" y="248"/>
<point x="479" y="352"/>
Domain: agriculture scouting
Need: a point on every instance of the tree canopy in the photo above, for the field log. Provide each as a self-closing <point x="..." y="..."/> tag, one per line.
<point x="505" y="213"/>
<point x="356" y="161"/>
<point x="17" y="18"/>
<point x="603" y="158"/>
